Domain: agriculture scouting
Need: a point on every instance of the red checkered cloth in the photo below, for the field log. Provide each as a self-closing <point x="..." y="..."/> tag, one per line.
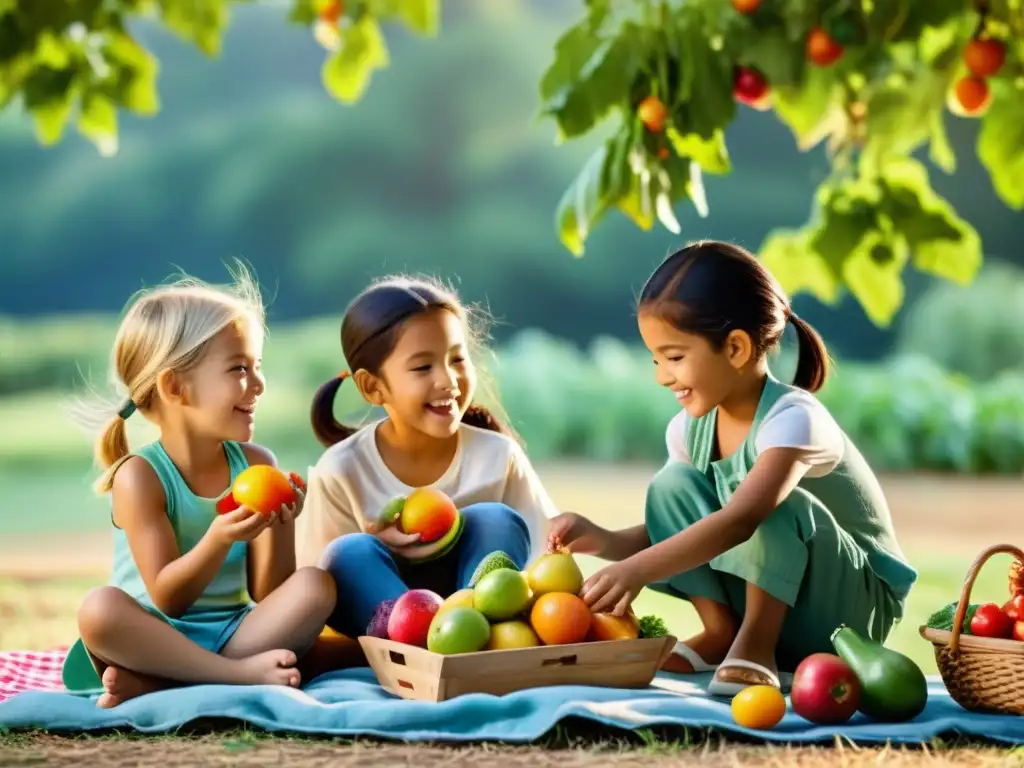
<point x="22" y="671"/>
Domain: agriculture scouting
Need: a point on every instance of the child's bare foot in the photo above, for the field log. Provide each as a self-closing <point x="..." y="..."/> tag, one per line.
<point x="119" y="685"/>
<point x="711" y="647"/>
<point x="270" y="668"/>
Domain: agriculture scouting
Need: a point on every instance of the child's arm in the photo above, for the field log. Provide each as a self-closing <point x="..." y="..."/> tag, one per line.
<point x="775" y="474"/>
<point x="174" y="581"/>
<point x="272" y="553"/>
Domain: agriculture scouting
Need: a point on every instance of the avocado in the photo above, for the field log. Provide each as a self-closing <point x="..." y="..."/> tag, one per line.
<point x="893" y="687"/>
<point x="492" y="562"/>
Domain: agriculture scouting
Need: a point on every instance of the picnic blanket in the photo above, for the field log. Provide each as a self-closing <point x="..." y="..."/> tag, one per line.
<point x="351" y="703"/>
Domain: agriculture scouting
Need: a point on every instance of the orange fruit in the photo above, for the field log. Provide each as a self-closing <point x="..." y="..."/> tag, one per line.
<point x="746" y="6"/>
<point x="822" y="49"/>
<point x="262" y="488"/>
<point x="606" y="626"/>
<point x="758" y="707"/>
<point x="652" y="114"/>
<point x="560" y="618"/>
<point x="984" y="57"/>
<point x="972" y="95"/>
<point x="331" y="11"/>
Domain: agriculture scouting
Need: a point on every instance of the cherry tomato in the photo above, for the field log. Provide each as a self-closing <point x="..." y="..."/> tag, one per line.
<point x="990" y="621"/>
<point x="746" y="7"/>
<point x="822" y="49"/>
<point x="750" y="87"/>
<point x="972" y="95"/>
<point x="1018" y="631"/>
<point x="984" y="57"/>
<point x="1014" y="608"/>
<point x="652" y="114"/>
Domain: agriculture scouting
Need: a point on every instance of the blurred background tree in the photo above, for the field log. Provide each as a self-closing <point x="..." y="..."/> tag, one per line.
<point x="872" y="80"/>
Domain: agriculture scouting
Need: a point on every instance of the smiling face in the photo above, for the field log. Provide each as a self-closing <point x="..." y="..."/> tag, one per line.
<point x="428" y="380"/>
<point x="699" y="376"/>
<point x="221" y="392"/>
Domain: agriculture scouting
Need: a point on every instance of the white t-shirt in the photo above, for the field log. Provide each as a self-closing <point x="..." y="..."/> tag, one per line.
<point x="796" y="420"/>
<point x="351" y="484"/>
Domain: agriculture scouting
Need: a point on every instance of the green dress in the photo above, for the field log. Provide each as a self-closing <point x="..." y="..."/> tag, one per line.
<point x="213" y="618"/>
<point x="828" y="551"/>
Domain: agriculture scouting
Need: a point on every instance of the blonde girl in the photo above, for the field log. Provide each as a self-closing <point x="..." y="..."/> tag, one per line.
<point x="195" y="596"/>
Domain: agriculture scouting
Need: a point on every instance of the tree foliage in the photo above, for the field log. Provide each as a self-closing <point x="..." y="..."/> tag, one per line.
<point x="872" y="80"/>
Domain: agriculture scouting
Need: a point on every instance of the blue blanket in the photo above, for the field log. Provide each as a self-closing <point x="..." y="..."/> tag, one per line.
<point x="350" y="703"/>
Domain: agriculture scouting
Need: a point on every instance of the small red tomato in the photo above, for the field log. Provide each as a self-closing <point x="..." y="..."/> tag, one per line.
<point x="1014" y="608"/>
<point x="297" y="481"/>
<point x="226" y="504"/>
<point x="1018" y="631"/>
<point x="990" y="621"/>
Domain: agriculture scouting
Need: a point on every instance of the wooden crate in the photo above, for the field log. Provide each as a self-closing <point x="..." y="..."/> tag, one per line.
<point x="416" y="673"/>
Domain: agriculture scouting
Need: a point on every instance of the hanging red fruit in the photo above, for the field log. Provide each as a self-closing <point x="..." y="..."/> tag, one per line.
<point x="984" y="57"/>
<point x="751" y="88"/>
<point x="746" y="7"/>
<point x="331" y="11"/>
<point x="971" y="96"/>
<point x="822" y="50"/>
<point x="652" y="114"/>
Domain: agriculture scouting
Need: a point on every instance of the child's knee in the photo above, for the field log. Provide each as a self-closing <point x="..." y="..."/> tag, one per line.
<point x="495" y="515"/>
<point x="100" y="612"/>
<point x="317" y="588"/>
<point x="348" y="552"/>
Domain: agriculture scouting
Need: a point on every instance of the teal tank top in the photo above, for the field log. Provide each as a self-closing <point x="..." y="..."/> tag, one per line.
<point x="190" y="517"/>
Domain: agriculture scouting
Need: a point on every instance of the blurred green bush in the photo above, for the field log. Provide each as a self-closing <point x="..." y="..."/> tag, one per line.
<point x="907" y="413"/>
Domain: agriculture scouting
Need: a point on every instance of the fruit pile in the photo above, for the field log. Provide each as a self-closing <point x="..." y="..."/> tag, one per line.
<point x="506" y="608"/>
<point x="828" y="689"/>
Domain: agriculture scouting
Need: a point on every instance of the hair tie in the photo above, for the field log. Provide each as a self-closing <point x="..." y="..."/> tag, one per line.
<point x="127" y="409"/>
<point x="342" y="375"/>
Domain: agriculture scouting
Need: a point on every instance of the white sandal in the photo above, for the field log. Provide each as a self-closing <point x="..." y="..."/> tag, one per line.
<point x="721" y="688"/>
<point x="682" y="650"/>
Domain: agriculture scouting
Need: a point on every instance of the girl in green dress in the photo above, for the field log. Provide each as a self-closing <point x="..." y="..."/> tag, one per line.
<point x="766" y="517"/>
<point x="195" y="596"/>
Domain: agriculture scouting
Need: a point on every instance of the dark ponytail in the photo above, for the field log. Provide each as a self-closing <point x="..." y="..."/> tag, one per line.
<point x="812" y="357"/>
<point x="327" y="429"/>
<point x="711" y="289"/>
<point x="478" y="416"/>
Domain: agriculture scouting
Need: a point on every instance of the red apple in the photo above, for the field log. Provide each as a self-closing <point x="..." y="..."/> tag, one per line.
<point x="1014" y="608"/>
<point x="411" y="616"/>
<point x="825" y="690"/>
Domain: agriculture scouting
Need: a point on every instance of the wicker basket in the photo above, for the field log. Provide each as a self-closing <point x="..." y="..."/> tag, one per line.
<point x="982" y="674"/>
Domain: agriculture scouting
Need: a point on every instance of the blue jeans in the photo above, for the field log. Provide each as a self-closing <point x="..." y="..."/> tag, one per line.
<point x="367" y="573"/>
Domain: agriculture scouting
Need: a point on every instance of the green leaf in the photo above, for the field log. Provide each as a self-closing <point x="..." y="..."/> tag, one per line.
<point x="135" y="87"/>
<point x="48" y="96"/>
<point x="940" y="151"/>
<point x="347" y="73"/>
<point x="597" y="86"/>
<point x="98" y="122"/>
<point x="779" y="59"/>
<point x="52" y="51"/>
<point x="788" y="255"/>
<point x="303" y="12"/>
<point x="1000" y="144"/>
<point x="201" y="22"/>
<point x="604" y="179"/>
<point x="422" y="16"/>
<point x="941" y="243"/>
<point x="808" y="108"/>
<point x="847" y="215"/>
<point x="8" y="6"/>
<point x="711" y="154"/>
<point x="873" y="273"/>
<point x="707" y="104"/>
<point x="900" y="115"/>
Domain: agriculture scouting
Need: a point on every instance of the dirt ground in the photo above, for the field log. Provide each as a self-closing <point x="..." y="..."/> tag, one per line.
<point x="933" y="514"/>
